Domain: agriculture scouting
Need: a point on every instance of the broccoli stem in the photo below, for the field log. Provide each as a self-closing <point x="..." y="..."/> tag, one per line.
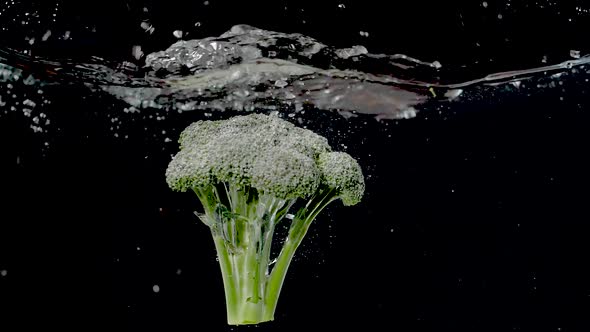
<point x="297" y="231"/>
<point x="242" y="225"/>
<point x="228" y="272"/>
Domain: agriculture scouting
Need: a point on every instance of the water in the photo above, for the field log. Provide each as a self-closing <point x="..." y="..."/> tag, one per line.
<point x="248" y="69"/>
<point x="474" y="216"/>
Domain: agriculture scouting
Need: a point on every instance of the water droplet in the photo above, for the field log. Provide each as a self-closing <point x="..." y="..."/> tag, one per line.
<point x="3" y="273"/>
<point x="156" y="288"/>
<point x="281" y="83"/>
<point x="452" y="94"/>
<point x="137" y="52"/>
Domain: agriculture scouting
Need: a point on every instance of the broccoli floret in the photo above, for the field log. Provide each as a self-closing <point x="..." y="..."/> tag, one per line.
<point x="248" y="172"/>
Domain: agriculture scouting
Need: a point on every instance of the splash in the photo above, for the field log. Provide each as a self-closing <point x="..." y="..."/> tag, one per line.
<point x="247" y="68"/>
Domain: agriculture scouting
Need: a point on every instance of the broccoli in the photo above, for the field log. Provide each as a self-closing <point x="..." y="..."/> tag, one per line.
<point x="249" y="172"/>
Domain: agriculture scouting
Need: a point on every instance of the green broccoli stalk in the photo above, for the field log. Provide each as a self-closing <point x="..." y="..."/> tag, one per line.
<point x="248" y="172"/>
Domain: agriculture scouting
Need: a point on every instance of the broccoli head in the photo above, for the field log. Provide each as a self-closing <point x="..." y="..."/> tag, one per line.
<point x="248" y="172"/>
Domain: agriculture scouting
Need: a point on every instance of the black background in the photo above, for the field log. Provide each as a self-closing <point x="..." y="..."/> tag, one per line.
<point x="475" y="217"/>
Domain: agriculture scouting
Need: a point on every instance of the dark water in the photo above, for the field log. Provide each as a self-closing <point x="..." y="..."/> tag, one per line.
<point x="475" y="216"/>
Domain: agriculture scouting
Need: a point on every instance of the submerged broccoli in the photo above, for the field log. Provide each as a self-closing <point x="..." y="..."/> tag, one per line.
<point x="248" y="172"/>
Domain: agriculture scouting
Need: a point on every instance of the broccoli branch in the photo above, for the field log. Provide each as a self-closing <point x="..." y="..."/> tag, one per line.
<point x="248" y="172"/>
